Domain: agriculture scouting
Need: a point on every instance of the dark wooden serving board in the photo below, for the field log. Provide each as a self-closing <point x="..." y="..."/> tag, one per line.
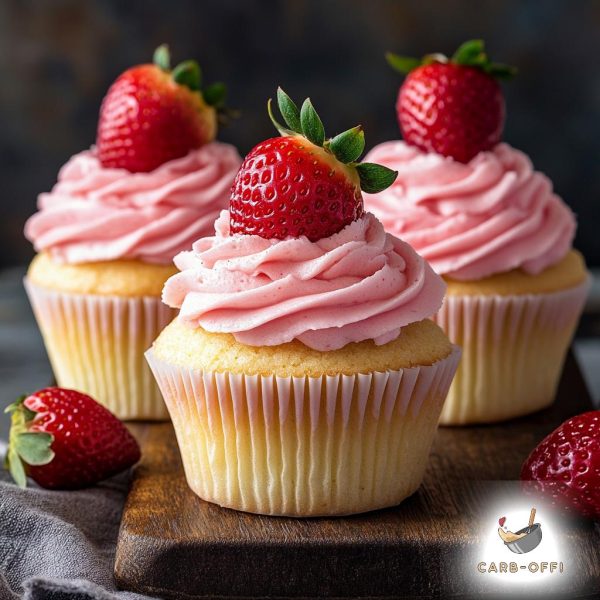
<point x="174" y="545"/>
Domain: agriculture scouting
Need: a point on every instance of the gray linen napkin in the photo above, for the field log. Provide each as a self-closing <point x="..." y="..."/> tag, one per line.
<point x="60" y="545"/>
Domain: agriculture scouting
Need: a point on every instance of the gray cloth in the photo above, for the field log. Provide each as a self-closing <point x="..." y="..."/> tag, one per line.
<point x="60" y="545"/>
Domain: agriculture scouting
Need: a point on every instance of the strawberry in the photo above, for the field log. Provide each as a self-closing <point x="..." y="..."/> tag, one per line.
<point x="451" y="106"/>
<point x="302" y="184"/>
<point x="64" y="439"/>
<point x="151" y="115"/>
<point x="566" y="465"/>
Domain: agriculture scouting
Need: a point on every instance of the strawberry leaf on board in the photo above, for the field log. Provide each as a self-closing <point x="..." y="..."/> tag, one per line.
<point x="215" y="94"/>
<point x="188" y="73"/>
<point x="375" y="178"/>
<point x="162" y="57"/>
<point x="312" y="126"/>
<point x="349" y="145"/>
<point x="402" y="64"/>
<point x="34" y="447"/>
<point x="289" y="111"/>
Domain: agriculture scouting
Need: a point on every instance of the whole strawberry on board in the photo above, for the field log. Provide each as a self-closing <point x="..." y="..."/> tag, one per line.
<point x="152" y="114"/>
<point x="452" y="106"/>
<point x="303" y="184"/>
<point x="565" y="466"/>
<point x="64" y="439"/>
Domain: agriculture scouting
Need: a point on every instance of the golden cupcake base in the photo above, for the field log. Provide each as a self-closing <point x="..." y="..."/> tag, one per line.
<point x="304" y="445"/>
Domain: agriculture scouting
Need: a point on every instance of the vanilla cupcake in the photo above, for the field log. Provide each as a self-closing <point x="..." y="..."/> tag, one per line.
<point x="491" y="225"/>
<point x="502" y="240"/>
<point x="107" y="232"/>
<point x="302" y="375"/>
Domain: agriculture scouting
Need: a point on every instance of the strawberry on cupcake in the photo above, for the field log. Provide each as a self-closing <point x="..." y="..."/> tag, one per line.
<point x="491" y="225"/>
<point x="108" y="230"/>
<point x="302" y="374"/>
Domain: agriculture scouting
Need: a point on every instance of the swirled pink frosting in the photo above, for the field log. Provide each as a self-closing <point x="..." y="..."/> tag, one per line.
<point x="473" y="220"/>
<point x="358" y="284"/>
<point x="98" y="214"/>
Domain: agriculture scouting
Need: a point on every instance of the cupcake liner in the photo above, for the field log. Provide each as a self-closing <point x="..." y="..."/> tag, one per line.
<point x="513" y="348"/>
<point x="305" y="446"/>
<point x="96" y="345"/>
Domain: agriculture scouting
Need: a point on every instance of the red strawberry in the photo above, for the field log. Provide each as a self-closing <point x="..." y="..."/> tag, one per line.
<point x="64" y="439"/>
<point x="151" y="115"/>
<point x="566" y="465"/>
<point x="453" y="107"/>
<point x="301" y="184"/>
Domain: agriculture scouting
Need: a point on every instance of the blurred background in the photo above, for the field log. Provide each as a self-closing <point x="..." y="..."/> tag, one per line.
<point x="58" y="58"/>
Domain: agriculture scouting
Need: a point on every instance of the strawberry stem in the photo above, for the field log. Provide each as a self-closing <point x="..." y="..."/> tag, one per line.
<point x="469" y="54"/>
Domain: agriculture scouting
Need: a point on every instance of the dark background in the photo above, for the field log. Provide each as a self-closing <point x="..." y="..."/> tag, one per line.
<point x="57" y="59"/>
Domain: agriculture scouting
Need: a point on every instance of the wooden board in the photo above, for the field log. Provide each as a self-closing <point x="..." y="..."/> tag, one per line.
<point x="174" y="545"/>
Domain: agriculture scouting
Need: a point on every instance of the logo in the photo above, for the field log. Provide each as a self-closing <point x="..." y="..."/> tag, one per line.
<point x="523" y="541"/>
<point x="525" y="546"/>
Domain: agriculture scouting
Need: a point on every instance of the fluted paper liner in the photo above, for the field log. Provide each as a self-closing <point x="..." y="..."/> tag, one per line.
<point x="305" y="446"/>
<point x="96" y="344"/>
<point x="514" y="349"/>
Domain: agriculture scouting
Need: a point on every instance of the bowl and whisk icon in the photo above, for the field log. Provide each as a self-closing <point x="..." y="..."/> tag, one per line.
<point x="524" y="540"/>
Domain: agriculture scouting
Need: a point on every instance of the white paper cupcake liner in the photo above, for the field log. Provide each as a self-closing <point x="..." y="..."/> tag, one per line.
<point x="513" y="352"/>
<point x="96" y="344"/>
<point x="305" y="446"/>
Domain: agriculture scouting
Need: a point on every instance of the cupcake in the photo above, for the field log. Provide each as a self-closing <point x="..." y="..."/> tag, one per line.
<point x="493" y="227"/>
<point x="302" y="374"/>
<point x="107" y="232"/>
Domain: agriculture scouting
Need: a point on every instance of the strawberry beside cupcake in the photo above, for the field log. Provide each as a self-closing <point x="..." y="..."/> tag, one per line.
<point x="492" y="226"/>
<point x="302" y="374"/>
<point x="107" y="232"/>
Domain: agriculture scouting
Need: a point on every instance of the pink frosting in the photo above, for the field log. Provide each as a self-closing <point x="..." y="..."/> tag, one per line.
<point x="98" y="214"/>
<point x="473" y="220"/>
<point x="358" y="284"/>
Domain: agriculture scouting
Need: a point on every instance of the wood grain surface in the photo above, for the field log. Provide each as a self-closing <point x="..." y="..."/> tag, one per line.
<point x="174" y="545"/>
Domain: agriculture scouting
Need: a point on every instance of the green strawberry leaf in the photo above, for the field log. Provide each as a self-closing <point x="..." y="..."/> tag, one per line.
<point x="188" y="73"/>
<point x="349" y="145"/>
<point x="16" y="468"/>
<point x="34" y="447"/>
<point x="501" y="71"/>
<point x="215" y="94"/>
<point x="312" y="126"/>
<point x="162" y="57"/>
<point x="375" y="178"/>
<point x="16" y="405"/>
<point x="19" y="441"/>
<point x="402" y="64"/>
<point x="470" y="53"/>
<point x="282" y="130"/>
<point x="289" y="111"/>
